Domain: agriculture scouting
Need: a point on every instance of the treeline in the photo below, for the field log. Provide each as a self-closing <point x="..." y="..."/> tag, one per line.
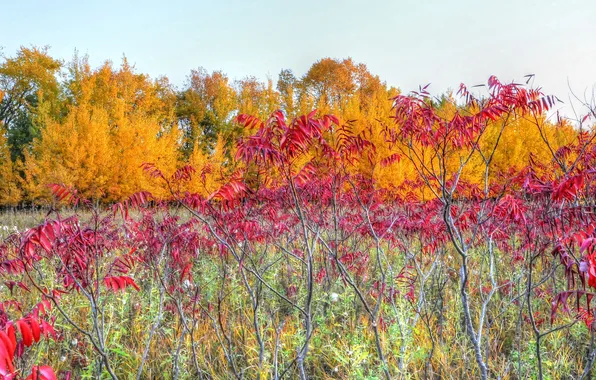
<point x="93" y="128"/>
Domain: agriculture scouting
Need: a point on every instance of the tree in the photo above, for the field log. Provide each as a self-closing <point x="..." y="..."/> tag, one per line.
<point x="30" y="87"/>
<point x="210" y="169"/>
<point x="205" y="108"/>
<point x="286" y="86"/>
<point x="117" y="121"/>
<point x="9" y="192"/>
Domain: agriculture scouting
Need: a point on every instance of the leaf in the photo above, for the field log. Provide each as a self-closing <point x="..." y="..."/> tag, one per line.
<point x="586" y="244"/>
<point x="47" y="329"/>
<point x="11" y="333"/>
<point x="184" y="173"/>
<point x="231" y="192"/>
<point x="118" y="283"/>
<point x="8" y="343"/>
<point x="42" y="372"/>
<point x="44" y="242"/>
<point x="387" y="161"/>
<point x="61" y="192"/>
<point x="6" y="366"/>
<point x="249" y="121"/>
<point x="26" y="332"/>
<point x="131" y="282"/>
<point x="305" y="174"/>
<point x="568" y="188"/>
<point x="35" y="330"/>
<point x="152" y="170"/>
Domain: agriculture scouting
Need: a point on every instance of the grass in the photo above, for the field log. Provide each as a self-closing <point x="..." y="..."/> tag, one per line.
<point x="428" y="343"/>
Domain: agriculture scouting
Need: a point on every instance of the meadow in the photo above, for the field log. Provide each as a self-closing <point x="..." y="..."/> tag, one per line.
<point x="432" y="237"/>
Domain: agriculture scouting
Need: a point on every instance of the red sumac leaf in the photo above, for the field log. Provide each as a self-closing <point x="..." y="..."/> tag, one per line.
<point x="47" y="329"/>
<point x="390" y="160"/>
<point x="42" y="372"/>
<point x="6" y="366"/>
<point x="35" y="330"/>
<point x="587" y="243"/>
<point x="26" y="332"/>
<point x="117" y="283"/>
<point x="8" y="343"/>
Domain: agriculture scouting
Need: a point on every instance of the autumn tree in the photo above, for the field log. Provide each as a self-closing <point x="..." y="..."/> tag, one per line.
<point x="257" y="98"/>
<point x="205" y="108"/>
<point x="29" y="85"/>
<point x="330" y="82"/>
<point x="286" y="86"/>
<point x="349" y="90"/>
<point x="117" y="121"/>
<point x="211" y="169"/>
<point x="9" y="191"/>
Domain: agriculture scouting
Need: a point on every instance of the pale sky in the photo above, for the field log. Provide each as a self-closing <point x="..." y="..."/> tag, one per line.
<point x="406" y="42"/>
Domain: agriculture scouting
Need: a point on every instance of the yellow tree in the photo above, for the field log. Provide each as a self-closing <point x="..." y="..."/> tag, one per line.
<point x="205" y="109"/>
<point x="350" y="91"/>
<point x="28" y="82"/>
<point x="286" y="87"/>
<point x="142" y="127"/>
<point x="117" y="120"/>
<point x="76" y="152"/>
<point x="257" y="98"/>
<point x="331" y="82"/>
<point x="10" y="194"/>
<point x="211" y="168"/>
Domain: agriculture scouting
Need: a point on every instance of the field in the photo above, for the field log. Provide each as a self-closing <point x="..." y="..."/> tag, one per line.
<point x="426" y="237"/>
<point x="207" y="326"/>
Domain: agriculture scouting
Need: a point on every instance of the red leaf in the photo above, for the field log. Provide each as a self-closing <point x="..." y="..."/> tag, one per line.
<point x="586" y="244"/>
<point x="132" y="283"/>
<point x="120" y="283"/>
<point x="390" y="160"/>
<point x="569" y="188"/>
<point x="305" y="174"/>
<point x="61" y="192"/>
<point x="25" y="332"/>
<point x="6" y="366"/>
<point x="48" y="329"/>
<point x="8" y="343"/>
<point x="23" y="286"/>
<point x="11" y="333"/>
<point x="34" y="329"/>
<point x="42" y="372"/>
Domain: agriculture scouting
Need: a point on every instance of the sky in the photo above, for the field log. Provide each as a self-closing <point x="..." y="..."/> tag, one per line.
<point x="406" y="42"/>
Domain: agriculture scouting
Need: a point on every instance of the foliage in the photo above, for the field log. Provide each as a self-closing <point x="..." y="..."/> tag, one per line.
<point x="29" y="90"/>
<point x="93" y="128"/>
<point x="417" y="237"/>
